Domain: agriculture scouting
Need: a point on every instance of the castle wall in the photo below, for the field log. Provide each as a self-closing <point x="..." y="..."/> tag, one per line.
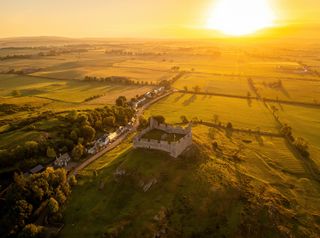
<point x="173" y="148"/>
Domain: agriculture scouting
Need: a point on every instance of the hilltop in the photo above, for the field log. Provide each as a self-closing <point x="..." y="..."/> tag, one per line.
<point x="235" y="189"/>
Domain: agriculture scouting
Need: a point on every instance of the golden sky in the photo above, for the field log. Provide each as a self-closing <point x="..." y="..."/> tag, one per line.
<point x="128" y="18"/>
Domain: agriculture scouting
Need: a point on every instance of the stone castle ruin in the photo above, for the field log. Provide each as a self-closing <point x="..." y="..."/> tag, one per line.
<point x="174" y="148"/>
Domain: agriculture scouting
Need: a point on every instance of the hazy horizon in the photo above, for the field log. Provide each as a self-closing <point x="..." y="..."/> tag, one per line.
<point x="128" y="19"/>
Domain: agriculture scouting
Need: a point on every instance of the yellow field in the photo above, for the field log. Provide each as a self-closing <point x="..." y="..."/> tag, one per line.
<point x="69" y="91"/>
<point x="204" y="108"/>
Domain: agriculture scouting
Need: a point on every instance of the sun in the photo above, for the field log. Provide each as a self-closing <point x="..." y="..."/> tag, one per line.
<point x="241" y="17"/>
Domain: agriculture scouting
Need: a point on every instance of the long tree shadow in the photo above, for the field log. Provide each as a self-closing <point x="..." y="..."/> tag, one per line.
<point x="177" y="99"/>
<point x="190" y="100"/>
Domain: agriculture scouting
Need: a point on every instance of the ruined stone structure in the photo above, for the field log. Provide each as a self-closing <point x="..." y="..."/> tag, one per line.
<point x="174" y="148"/>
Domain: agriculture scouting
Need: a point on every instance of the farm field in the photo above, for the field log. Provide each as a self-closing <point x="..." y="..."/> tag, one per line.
<point x="69" y="91"/>
<point x="238" y="85"/>
<point x="205" y="107"/>
<point x="293" y="90"/>
<point x="232" y="85"/>
<point x="113" y="200"/>
<point x="101" y="65"/>
<point x="304" y="121"/>
<point x="227" y="184"/>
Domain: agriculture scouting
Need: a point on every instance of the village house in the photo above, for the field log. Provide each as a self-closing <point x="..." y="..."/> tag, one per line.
<point x="62" y="160"/>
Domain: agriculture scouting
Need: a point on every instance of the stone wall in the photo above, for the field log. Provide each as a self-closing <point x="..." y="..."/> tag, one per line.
<point x="173" y="148"/>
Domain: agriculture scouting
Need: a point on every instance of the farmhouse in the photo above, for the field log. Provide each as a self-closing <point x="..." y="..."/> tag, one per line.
<point x="173" y="140"/>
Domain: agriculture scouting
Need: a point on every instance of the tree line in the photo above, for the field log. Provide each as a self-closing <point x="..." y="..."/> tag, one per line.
<point x="33" y="201"/>
<point x="71" y="134"/>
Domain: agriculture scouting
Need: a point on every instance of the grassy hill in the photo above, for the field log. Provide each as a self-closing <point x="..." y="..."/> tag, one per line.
<point x="205" y="193"/>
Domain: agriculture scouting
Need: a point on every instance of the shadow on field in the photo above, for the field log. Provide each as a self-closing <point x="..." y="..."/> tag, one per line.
<point x="190" y="100"/>
<point x="177" y="99"/>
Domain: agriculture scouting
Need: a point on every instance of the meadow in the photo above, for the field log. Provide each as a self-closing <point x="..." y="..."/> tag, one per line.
<point x="68" y="91"/>
<point x="203" y="107"/>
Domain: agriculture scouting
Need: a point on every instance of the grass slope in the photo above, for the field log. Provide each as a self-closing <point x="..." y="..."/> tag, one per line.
<point x="202" y="194"/>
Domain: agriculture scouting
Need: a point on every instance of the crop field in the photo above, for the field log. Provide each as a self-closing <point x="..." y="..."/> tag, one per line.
<point x="69" y="91"/>
<point x="236" y="111"/>
<point x="304" y="121"/>
<point x="232" y="85"/>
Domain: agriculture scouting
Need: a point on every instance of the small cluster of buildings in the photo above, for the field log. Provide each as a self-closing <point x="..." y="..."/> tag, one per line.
<point x="62" y="160"/>
<point x="108" y="138"/>
<point x="149" y="95"/>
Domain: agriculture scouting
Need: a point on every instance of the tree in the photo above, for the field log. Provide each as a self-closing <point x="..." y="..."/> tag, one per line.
<point x="184" y="119"/>
<point x="74" y="135"/>
<point x="98" y="124"/>
<point x="214" y="145"/>
<point x="287" y="131"/>
<point x="302" y="146"/>
<point x="160" y="119"/>
<point x="165" y="83"/>
<point x="22" y="211"/>
<point x="88" y="132"/>
<point x="109" y="121"/>
<point x="72" y="116"/>
<point x="53" y="205"/>
<point x="77" y="152"/>
<point x="51" y="153"/>
<point x="72" y="180"/>
<point x="31" y="231"/>
<point x="229" y="126"/>
<point x="33" y="192"/>
<point x="216" y="118"/>
<point x="15" y="93"/>
<point x="196" y="89"/>
<point x="143" y="123"/>
<point x="121" y="101"/>
<point x="60" y="196"/>
<point x="83" y="119"/>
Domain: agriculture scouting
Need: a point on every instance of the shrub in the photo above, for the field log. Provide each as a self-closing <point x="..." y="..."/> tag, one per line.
<point x="31" y="231"/>
<point x="51" y="153"/>
<point x="53" y="206"/>
<point x="77" y="152"/>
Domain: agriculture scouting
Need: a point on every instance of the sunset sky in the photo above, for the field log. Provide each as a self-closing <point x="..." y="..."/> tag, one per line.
<point x="128" y="18"/>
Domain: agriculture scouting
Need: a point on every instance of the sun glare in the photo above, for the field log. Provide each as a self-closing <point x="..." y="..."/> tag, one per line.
<point x="241" y="17"/>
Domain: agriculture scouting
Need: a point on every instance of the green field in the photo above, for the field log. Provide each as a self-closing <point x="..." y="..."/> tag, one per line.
<point x="68" y="91"/>
<point x="184" y="194"/>
<point x="305" y="123"/>
<point x="236" y="111"/>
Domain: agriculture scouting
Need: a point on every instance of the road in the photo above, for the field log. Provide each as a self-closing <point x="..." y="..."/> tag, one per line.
<point x="120" y="139"/>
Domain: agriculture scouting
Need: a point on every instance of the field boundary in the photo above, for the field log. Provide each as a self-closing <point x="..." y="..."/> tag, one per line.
<point x="295" y="103"/>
